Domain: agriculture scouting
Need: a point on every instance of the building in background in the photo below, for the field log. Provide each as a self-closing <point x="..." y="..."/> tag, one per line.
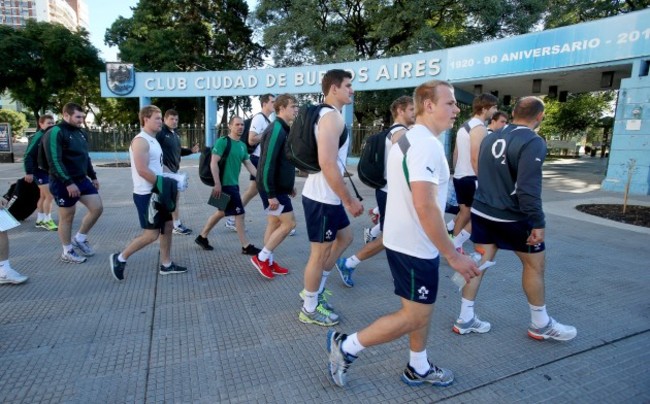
<point x="72" y="14"/>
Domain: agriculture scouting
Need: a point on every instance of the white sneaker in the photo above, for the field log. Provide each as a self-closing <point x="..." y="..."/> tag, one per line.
<point x="83" y="246"/>
<point x="230" y="224"/>
<point x="9" y="275"/>
<point x="71" y="257"/>
<point x="292" y="232"/>
<point x="553" y="330"/>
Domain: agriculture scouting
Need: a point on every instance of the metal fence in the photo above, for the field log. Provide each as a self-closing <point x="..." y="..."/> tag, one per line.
<point x="118" y="139"/>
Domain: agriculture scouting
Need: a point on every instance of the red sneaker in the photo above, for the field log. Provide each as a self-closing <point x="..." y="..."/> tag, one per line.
<point x="278" y="270"/>
<point x="263" y="267"/>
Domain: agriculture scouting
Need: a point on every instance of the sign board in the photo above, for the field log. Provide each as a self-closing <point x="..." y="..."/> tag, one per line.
<point x="5" y="138"/>
<point x="615" y="39"/>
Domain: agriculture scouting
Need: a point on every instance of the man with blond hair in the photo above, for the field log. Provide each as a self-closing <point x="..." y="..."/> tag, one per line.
<point x="415" y="237"/>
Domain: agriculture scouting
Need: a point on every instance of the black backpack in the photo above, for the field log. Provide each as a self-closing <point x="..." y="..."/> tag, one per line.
<point x="204" y="164"/>
<point x="301" y="148"/>
<point x="247" y="128"/>
<point x="23" y="197"/>
<point x="371" y="163"/>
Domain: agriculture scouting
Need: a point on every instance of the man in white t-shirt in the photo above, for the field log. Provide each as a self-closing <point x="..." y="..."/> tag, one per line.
<point x="146" y="165"/>
<point x="325" y="198"/>
<point x="259" y="122"/>
<point x="403" y="112"/>
<point x="468" y="141"/>
<point x="414" y="238"/>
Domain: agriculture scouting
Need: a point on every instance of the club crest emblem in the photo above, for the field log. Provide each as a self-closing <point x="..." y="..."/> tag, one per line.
<point x="120" y="77"/>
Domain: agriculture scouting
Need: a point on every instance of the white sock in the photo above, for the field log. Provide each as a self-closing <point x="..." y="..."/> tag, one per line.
<point x="538" y="316"/>
<point x="271" y="258"/>
<point x="451" y="224"/>
<point x="121" y="258"/>
<point x="323" y="279"/>
<point x="352" y="346"/>
<point x="375" y="210"/>
<point x="375" y="231"/>
<point x="48" y="217"/>
<point x="352" y="262"/>
<point x="177" y="223"/>
<point x="67" y="248"/>
<point x="40" y="217"/>
<point x="310" y="302"/>
<point x="264" y="255"/>
<point x="80" y="237"/>
<point x="466" y="310"/>
<point x="461" y="238"/>
<point x="420" y="362"/>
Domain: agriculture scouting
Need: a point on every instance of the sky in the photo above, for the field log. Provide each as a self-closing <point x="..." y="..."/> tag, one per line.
<point x="102" y="15"/>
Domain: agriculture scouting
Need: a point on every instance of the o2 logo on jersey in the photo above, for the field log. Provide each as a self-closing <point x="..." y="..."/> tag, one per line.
<point x="499" y="150"/>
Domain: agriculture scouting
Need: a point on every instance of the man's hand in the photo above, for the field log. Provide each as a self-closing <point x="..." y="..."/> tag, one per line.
<point x="73" y="191"/>
<point x="195" y="148"/>
<point x="96" y="184"/>
<point x="29" y="178"/>
<point x="293" y="193"/>
<point x="216" y="190"/>
<point x="3" y="202"/>
<point x="274" y="203"/>
<point x="354" y="207"/>
<point x="536" y="237"/>
<point x="464" y="265"/>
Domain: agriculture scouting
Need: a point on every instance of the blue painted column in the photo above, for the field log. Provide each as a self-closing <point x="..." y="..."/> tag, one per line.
<point x="348" y="116"/>
<point x="144" y="101"/>
<point x="210" y="120"/>
<point x="631" y="134"/>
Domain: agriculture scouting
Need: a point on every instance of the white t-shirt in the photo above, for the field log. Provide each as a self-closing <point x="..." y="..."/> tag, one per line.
<point x="425" y="161"/>
<point x="389" y="144"/>
<point x="258" y="124"/>
<point x="464" y="159"/>
<point x="316" y="187"/>
<point x="140" y="185"/>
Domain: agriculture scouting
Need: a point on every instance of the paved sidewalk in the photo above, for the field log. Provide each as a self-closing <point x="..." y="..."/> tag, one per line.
<point x="222" y="333"/>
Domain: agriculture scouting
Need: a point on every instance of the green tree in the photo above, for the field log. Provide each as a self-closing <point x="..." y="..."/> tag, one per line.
<point x="17" y="120"/>
<point x="568" y="12"/>
<point x="41" y="60"/>
<point x="579" y="116"/>
<point x="181" y="35"/>
<point x="318" y="31"/>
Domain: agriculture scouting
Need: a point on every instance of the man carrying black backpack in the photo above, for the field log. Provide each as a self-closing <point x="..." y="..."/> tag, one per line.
<point x="403" y="112"/>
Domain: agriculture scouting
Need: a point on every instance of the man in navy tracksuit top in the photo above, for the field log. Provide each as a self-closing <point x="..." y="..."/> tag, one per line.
<point x="72" y="179"/>
<point x="507" y="213"/>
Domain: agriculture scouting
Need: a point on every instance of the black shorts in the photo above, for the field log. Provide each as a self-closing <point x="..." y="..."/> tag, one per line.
<point x="381" y="197"/>
<point x="415" y="279"/>
<point x="142" y="206"/>
<point x="323" y="220"/>
<point x="41" y="176"/>
<point x="465" y="189"/>
<point x="235" y="206"/>
<point x="60" y="191"/>
<point x="506" y="235"/>
<point x="284" y="199"/>
<point x="255" y="160"/>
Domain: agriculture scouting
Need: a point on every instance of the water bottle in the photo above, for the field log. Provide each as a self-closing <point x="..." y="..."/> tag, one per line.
<point x="458" y="279"/>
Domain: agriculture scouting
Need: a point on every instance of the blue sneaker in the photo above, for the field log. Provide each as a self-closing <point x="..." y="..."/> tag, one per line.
<point x="345" y="272"/>
<point x="339" y="360"/>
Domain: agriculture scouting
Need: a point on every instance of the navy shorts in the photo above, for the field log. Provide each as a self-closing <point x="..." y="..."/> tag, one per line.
<point x="284" y="199"/>
<point x="506" y="235"/>
<point x="415" y="279"/>
<point x="235" y="207"/>
<point x="381" y="197"/>
<point x="142" y="205"/>
<point x="60" y="192"/>
<point x="255" y="160"/>
<point x="41" y="176"/>
<point x="323" y="220"/>
<point x="465" y="188"/>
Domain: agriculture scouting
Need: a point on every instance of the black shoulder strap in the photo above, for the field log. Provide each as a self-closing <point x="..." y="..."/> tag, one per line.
<point x="389" y="135"/>
<point x="226" y="151"/>
<point x="466" y="127"/>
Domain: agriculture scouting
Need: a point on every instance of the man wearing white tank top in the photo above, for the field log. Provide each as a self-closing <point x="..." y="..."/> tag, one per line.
<point x="146" y="164"/>
<point x="468" y="141"/>
<point x="325" y="198"/>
